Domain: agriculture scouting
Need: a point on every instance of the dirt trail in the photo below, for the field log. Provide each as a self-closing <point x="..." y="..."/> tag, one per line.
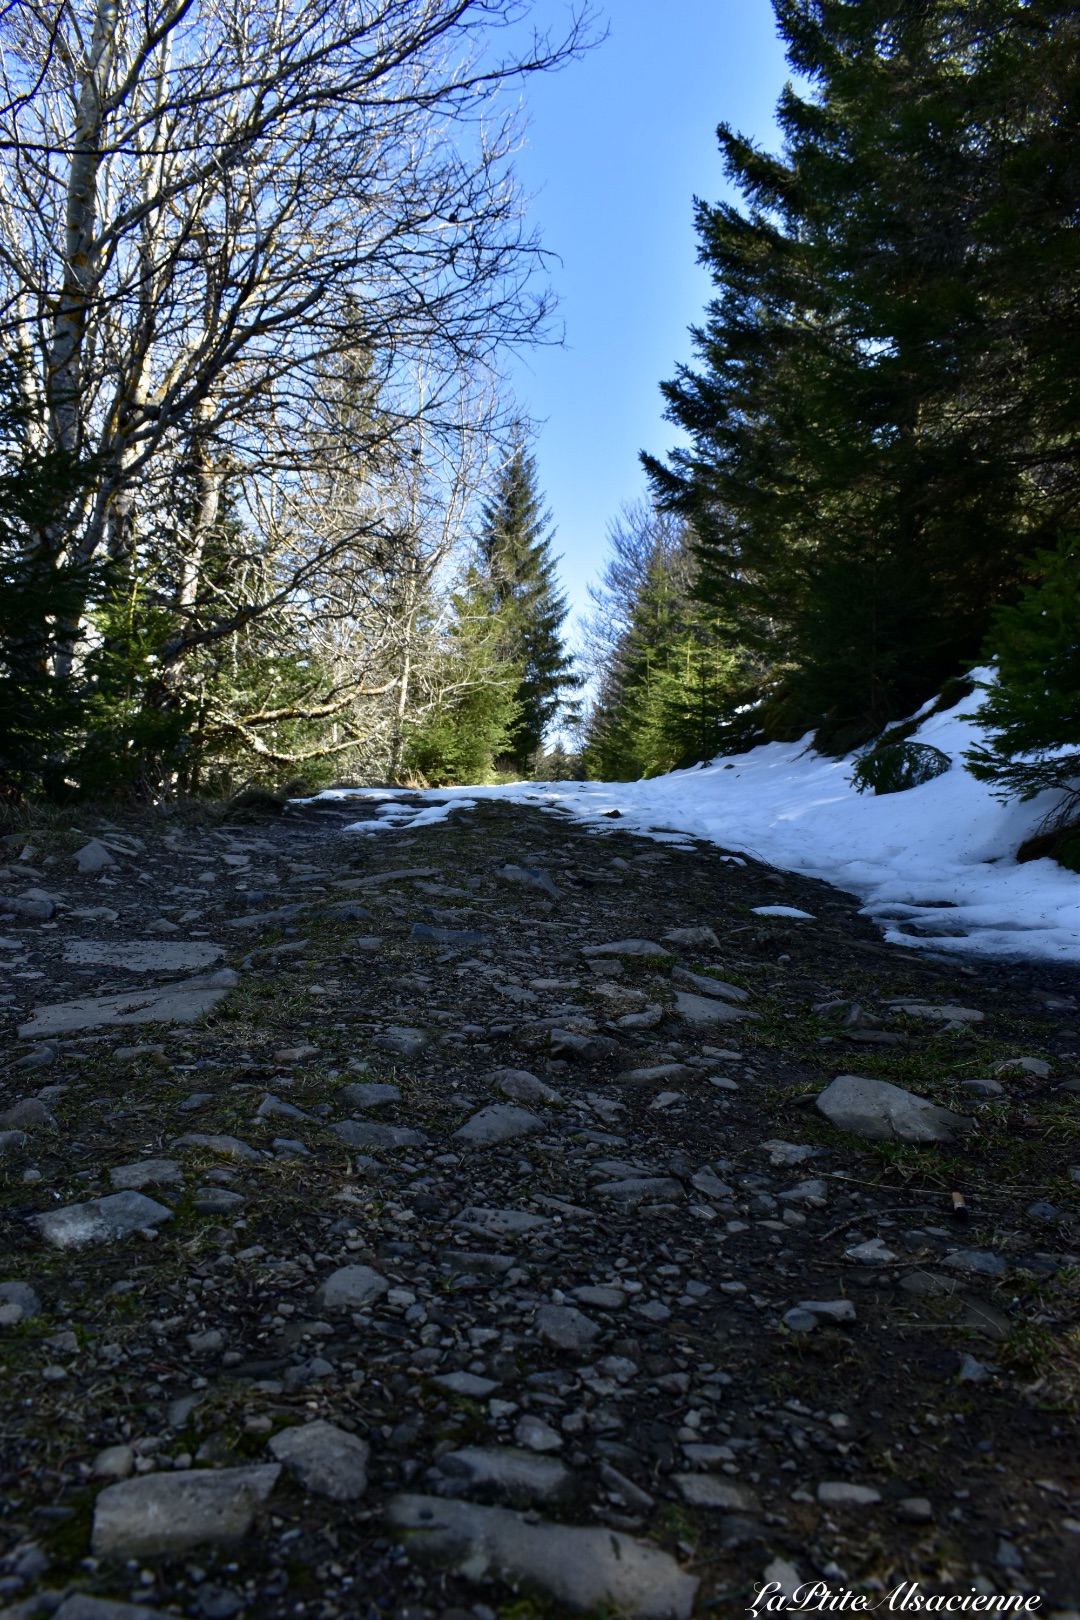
<point x="475" y="1244"/>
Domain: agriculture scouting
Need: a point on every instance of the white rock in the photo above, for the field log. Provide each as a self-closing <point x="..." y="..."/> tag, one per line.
<point x="170" y="1514"/>
<point x="365" y="1094"/>
<point x="584" y="1569"/>
<point x="655" y="1075"/>
<point x="631" y="1190"/>
<point x="499" y="1222"/>
<point x="102" y="1220"/>
<point x="1023" y="1065"/>
<point x="229" y="1147"/>
<point x="18" y="1301"/>
<point x="782" y="911"/>
<point x="626" y="947"/>
<point x="815" y="1193"/>
<point x="373" y="1134"/>
<point x="466" y="1383"/>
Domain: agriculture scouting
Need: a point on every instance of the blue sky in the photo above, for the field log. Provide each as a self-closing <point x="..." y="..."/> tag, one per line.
<point x="617" y="146"/>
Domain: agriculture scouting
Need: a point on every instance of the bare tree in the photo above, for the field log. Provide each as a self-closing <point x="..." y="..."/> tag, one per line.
<point x="205" y="204"/>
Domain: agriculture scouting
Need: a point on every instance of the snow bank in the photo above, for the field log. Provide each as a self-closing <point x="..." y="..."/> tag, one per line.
<point x="934" y="865"/>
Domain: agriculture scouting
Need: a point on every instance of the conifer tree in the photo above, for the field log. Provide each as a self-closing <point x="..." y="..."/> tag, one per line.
<point x="1032" y="710"/>
<point x="665" y="675"/>
<point x="515" y="551"/>
<point x="884" y="411"/>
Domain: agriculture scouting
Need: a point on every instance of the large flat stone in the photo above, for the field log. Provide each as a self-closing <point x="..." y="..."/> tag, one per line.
<point x="658" y="1074"/>
<point x="181" y="1003"/>
<point x="229" y="1147"/>
<point x="519" y="1477"/>
<point x="349" y="1287"/>
<point x="499" y="1222"/>
<point x="523" y="1086"/>
<point x="144" y="955"/>
<point x="369" y="1093"/>
<point x="81" y="1606"/>
<point x="626" y="947"/>
<point x="168" y="1514"/>
<point x="146" y="1173"/>
<point x="705" y="985"/>
<point x="500" y="1122"/>
<point x="883" y="1112"/>
<point x="101" y="1220"/>
<point x="694" y="1009"/>
<point x="264" y="919"/>
<point x="631" y="1190"/>
<point x="585" y="1569"/>
<point x="430" y="934"/>
<point x="373" y="879"/>
<point x="365" y="1133"/>
<point x="705" y="1490"/>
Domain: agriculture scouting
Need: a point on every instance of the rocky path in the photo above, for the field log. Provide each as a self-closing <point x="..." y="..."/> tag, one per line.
<point x="471" y="1220"/>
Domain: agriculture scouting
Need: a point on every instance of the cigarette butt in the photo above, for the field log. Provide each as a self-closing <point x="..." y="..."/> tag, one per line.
<point x="959" y="1206"/>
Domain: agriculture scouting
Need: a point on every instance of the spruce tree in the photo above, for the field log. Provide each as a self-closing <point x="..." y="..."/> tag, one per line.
<point x="515" y="550"/>
<point x="666" y="676"/>
<point x="41" y="597"/>
<point x="881" y="422"/>
<point x="1032" y="710"/>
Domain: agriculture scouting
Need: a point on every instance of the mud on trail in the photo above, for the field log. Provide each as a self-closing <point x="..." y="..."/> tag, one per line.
<point x="443" y="1222"/>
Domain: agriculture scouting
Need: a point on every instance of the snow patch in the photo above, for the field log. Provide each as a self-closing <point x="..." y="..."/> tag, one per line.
<point x="935" y="866"/>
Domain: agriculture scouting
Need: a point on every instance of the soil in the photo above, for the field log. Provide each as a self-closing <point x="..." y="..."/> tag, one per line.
<point x="951" y="1397"/>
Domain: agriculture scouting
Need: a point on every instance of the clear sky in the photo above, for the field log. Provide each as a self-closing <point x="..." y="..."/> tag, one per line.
<point x="618" y="145"/>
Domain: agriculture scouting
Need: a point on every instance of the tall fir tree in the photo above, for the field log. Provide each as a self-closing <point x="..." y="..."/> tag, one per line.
<point x="516" y="558"/>
<point x="665" y="676"/>
<point x="881" y="423"/>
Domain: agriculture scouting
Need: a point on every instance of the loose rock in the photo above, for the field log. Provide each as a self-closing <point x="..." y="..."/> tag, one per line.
<point x="326" y="1460"/>
<point x="882" y="1112"/>
<point x="102" y="1220"/>
<point x="582" y="1568"/>
<point x="165" y="1515"/>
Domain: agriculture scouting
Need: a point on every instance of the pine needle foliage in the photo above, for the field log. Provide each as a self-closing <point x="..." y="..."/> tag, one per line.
<point x="884" y="410"/>
<point x="516" y="558"/>
<point x="1032" y="709"/>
